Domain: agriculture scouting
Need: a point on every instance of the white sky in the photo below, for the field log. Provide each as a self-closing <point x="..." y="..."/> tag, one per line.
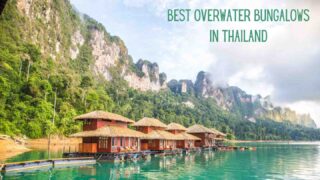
<point x="286" y="67"/>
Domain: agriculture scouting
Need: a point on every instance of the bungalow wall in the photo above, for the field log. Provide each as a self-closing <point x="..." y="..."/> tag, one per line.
<point x="180" y="144"/>
<point x="109" y="144"/>
<point x="189" y="144"/>
<point x="98" y="123"/>
<point x="144" y="145"/>
<point x="147" y="130"/>
<point x="176" y="131"/>
<point x="169" y="144"/>
<point x="186" y="144"/>
<point x="183" y="143"/>
<point x="205" y="140"/>
<point x="157" y="144"/>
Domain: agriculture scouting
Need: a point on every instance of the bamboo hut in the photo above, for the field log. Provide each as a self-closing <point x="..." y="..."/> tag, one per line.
<point x="156" y="138"/>
<point x="206" y="135"/>
<point x="107" y="132"/>
<point x="186" y="141"/>
<point x="219" y="138"/>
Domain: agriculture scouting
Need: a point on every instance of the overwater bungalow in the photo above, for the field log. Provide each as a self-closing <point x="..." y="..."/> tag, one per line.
<point x="219" y="137"/>
<point x="156" y="138"/>
<point x="107" y="132"/>
<point x="187" y="141"/>
<point x="206" y="135"/>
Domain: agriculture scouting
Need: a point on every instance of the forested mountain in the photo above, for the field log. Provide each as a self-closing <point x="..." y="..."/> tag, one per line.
<point x="51" y="54"/>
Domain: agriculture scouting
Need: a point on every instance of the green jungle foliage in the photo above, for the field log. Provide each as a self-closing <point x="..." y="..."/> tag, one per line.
<point x="30" y="83"/>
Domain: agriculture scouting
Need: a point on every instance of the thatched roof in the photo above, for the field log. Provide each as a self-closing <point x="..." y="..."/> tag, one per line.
<point x="186" y="136"/>
<point x="161" y="134"/>
<point x="149" y="122"/>
<point x="197" y="128"/>
<point x="109" y="131"/>
<point x="218" y="132"/>
<point x="176" y="126"/>
<point x="103" y="115"/>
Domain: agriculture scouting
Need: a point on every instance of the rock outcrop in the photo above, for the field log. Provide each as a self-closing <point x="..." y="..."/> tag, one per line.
<point x="147" y="77"/>
<point x="182" y="86"/>
<point x="77" y="41"/>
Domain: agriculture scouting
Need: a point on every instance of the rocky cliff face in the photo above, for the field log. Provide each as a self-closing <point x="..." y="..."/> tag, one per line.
<point x="109" y="54"/>
<point x="62" y="36"/>
<point x="106" y="54"/>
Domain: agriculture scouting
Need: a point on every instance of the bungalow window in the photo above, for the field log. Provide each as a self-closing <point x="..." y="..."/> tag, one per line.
<point x="114" y="141"/>
<point x="103" y="142"/>
<point x="136" y="142"/>
<point x="122" y="141"/>
<point x="161" y="143"/>
<point x="86" y="122"/>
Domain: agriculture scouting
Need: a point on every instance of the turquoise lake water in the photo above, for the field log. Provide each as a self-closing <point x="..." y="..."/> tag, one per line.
<point x="269" y="161"/>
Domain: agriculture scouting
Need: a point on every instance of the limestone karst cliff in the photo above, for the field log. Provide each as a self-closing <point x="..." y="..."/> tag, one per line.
<point x="64" y="32"/>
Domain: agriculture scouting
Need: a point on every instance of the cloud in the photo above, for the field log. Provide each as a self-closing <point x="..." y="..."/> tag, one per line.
<point x="310" y="107"/>
<point x="297" y="80"/>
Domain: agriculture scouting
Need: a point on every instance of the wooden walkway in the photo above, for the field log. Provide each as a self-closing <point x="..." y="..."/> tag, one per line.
<point x="50" y="163"/>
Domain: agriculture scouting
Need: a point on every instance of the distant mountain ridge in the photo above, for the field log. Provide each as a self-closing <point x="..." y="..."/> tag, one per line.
<point x="233" y="99"/>
<point x="65" y="35"/>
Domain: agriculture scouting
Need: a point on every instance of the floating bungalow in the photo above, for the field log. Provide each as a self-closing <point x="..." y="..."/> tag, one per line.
<point x="186" y="141"/>
<point x="107" y="132"/>
<point x="220" y="136"/>
<point x="206" y="135"/>
<point x="156" y="137"/>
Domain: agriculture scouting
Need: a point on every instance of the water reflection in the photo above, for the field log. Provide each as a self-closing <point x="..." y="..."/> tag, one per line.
<point x="270" y="161"/>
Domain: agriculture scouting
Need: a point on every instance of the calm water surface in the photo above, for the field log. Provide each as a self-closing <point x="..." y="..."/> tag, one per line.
<point x="269" y="161"/>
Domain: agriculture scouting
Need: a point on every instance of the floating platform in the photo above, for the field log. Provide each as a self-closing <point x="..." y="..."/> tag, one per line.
<point x="21" y="166"/>
<point x="123" y="156"/>
<point x="45" y="164"/>
<point x="73" y="161"/>
<point x="190" y="150"/>
<point x="207" y="148"/>
<point x="113" y="157"/>
<point x="231" y="148"/>
<point x="146" y="154"/>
